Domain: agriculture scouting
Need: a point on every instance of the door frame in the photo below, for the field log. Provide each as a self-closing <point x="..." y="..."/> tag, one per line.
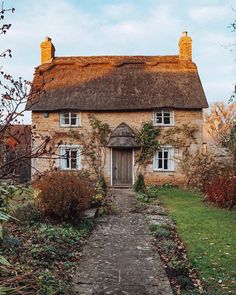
<point x="111" y="166"/>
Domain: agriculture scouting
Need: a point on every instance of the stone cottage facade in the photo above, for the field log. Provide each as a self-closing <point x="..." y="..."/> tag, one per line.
<point x="125" y="92"/>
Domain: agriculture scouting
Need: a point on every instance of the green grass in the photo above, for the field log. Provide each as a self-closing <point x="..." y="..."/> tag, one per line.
<point x="209" y="234"/>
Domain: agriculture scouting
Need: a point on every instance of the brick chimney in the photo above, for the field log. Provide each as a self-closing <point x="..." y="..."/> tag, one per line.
<point x="185" y="47"/>
<point x="47" y="51"/>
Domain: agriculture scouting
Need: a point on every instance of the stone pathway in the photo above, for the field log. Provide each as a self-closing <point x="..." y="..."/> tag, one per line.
<point x="119" y="257"/>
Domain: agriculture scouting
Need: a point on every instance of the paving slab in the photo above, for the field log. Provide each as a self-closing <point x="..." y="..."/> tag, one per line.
<point x="120" y="257"/>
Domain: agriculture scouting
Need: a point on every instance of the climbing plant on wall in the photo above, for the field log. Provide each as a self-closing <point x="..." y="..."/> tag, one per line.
<point x="147" y="138"/>
<point x="180" y="136"/>
<point x="94" y="143"/>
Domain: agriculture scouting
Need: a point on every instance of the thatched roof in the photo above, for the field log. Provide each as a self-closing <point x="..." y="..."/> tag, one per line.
<point x="122" y="136"/>
<point x="118" y="83"/>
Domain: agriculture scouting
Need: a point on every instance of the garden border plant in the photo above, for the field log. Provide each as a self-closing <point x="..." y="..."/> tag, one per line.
<point x="43" y="252"/>
<point x="183" y="277"/>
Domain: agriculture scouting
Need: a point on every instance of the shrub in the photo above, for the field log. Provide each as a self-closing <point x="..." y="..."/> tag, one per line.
<point x="107" y="206"/>
<point x="100" y="192"/>
<point x="200" y="168"/>
<point x="50" y="285"/>
<point x="168" y="185"/>
<point x="142" y="198"/>
<point x="139" y="185"/>
<point x="222" y="191"/>
<point x="101" y="186"/>
<point x="63" y="194"/>
<point x="185" y="282"/>
<point x="178" y="267"/>
<point x="152" y="191"/>
<point x="169" y="246"/>
<point x="159" y="231"/>
<point x="27" y="214"/>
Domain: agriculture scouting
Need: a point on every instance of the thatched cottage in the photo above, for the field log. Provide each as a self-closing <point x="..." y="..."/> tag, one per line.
<point x="123" y="91"/>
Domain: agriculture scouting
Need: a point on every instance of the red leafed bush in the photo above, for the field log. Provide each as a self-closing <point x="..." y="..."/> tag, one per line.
<point x="63" y="194"/>
<point x="222" y="191"/>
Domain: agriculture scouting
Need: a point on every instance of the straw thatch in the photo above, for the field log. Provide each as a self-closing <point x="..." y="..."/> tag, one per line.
<point x="123" y="136"/>
<point x="118" y="83"/>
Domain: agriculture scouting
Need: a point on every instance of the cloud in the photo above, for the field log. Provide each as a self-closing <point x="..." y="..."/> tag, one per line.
<point x="120" y="11"/>
<point x="122" y="28"/>
<point x="209" y="13"/>
<point x="116" y="29"/>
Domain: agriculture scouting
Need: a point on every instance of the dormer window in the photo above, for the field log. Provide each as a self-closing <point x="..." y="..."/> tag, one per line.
<point x="69" y="119"/>
<point x="163" y="118"/>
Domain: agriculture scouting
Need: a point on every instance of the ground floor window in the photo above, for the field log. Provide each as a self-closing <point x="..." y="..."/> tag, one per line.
<point x="70" y="158"/>
<point x="164" y="159"/>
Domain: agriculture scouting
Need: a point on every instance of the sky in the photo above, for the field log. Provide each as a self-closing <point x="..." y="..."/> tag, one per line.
<point x="131" y="27"/>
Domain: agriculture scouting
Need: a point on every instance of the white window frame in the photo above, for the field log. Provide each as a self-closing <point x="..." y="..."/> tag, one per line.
<point x="63" y="149"/>
<point x="171" y="162"/>
<point x="78" y="119"/>
<point x="162" y="114"/>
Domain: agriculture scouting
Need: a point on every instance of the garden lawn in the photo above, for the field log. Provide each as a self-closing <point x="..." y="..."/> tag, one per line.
<point x="209" y="235"/>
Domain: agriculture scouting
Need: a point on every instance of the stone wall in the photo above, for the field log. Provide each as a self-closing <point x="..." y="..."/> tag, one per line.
<point x="51" y="126"/>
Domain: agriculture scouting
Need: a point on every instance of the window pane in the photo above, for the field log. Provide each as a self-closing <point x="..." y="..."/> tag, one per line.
<point x="73" y="159"/>
<point x="168" y="117"/>
<point x="158" y="117"/>
<point x="65" y="119"/>
<point x="160" y="164"/>
<point x="73" y="120"/>
<point x="165" y="154"/>
<point x="160" y="154"/>
<point x="166" y="120"/>
<point x="165" y="164"/>
<point x="155" y="163"/>
<point x="67" y="156"/>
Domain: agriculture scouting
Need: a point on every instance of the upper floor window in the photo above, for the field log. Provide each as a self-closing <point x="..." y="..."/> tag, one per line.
<point x="164" y="159"/>
<point x="70" y="158"/>
<point x="69" y="119"/>
<point x="163" y="117"/>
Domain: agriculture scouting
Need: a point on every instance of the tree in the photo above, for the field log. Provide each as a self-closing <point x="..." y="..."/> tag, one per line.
<point x="14" y="95"/>
<point x="219" y="121"/>
<point x="232" y="145"/>
<point x="5" y="27"/>
<point x="233" y="27"/>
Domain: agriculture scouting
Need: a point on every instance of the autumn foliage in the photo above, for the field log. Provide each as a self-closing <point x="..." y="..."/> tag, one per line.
<point x="222" y="191"/>
<point x="63" y="194"/>
<point x="199" y="168"/>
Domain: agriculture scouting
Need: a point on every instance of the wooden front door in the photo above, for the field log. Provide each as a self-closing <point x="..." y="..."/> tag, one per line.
<point x="122" y="167"/>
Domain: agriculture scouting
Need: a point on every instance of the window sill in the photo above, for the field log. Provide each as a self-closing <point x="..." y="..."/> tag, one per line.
<point x="70" y="126"/>
<point x="69" y="170"/>
<point x="163" y="125"/>
<point x="162" y="170"/>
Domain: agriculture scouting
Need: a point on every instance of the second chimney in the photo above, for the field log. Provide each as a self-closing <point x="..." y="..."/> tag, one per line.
<point x="185" y="47"/>
<point x="47" y="51"/>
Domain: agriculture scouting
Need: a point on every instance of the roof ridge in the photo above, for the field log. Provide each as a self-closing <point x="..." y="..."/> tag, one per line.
<point x="117" y="61"/>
